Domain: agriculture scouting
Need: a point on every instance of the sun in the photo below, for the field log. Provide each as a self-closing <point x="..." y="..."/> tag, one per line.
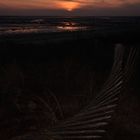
<point x="69" y="9"/>
<point x="69" y="5"/>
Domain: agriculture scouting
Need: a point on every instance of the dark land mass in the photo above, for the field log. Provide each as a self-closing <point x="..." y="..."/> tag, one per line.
<point x="70" y="66"/>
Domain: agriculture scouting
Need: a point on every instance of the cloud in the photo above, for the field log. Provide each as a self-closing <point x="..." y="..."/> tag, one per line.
<point x="77" y="7"/>
<point x="52" y="4"/>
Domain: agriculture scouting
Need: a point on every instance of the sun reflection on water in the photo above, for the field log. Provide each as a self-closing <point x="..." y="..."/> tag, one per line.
<point x="70" y="26"/>
<point x="65" y="26"/>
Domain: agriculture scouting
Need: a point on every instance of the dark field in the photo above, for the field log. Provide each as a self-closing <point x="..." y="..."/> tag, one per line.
<point x="46" y="78"/>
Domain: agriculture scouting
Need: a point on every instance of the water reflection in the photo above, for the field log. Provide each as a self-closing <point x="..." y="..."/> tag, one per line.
<point x="71" y="26"/>
<point x="11" y="31"/>
<point x="41" y="28"/>
<point x="24" y="29"/>
<point x="18" y="29"/>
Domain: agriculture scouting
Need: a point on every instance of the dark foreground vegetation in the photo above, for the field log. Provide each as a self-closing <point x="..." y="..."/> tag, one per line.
<point x="55" y="75"/>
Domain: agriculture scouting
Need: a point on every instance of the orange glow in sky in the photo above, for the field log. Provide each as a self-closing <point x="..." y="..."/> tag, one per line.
<point x="68" y="5"/>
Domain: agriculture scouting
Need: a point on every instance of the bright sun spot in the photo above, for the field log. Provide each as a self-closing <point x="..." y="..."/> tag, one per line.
<point x="69" y="6"/>
<point x="69" y="9"/>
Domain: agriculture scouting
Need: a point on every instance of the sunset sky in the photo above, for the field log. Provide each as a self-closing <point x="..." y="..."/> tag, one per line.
<point x="70" y="7"/>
